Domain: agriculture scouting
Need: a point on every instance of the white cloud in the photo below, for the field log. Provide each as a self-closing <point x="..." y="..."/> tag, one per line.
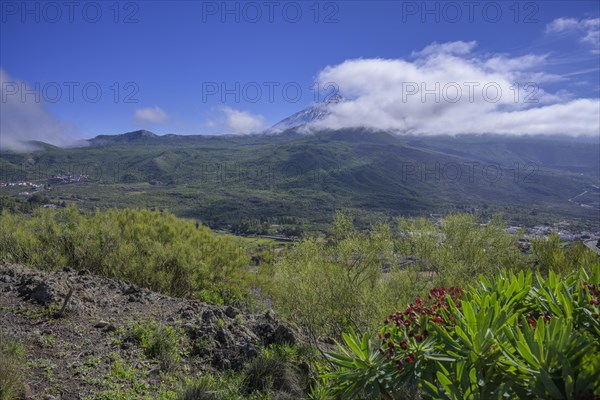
<point x="561" y="25"/>
<point x="448" y="90"/>
<point x="436" y="48"/>
<point x="152" y="115"/>
<point x="592" y="37"/>
<point x="24" y="118"/>
<point x="589" y="28"/>
<point x="243" y="122"/>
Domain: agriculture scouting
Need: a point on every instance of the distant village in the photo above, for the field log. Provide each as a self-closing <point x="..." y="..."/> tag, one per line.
<point x="589" y="239"/>
<point x="54" y="180"/>
<point x="564" y="235"/>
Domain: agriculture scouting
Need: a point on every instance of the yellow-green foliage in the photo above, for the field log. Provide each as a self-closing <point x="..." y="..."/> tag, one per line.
<point x="353" y="278"/>
<point x="550" y="255"/>
<point x="150" y="248"/>
<point x="459" y="248"/>
<point x="329" y="286"/>
<point x="164" y="343"/>
<point x="11" y="359"/>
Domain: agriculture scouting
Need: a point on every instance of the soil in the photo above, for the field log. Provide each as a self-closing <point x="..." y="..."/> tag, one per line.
<point x="69" y="355"/>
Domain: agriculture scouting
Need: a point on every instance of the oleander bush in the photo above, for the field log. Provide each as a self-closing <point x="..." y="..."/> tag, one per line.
<point x="511" y="336"/>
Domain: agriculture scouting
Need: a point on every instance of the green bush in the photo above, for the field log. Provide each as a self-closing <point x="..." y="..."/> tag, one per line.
<point x="204" y="388"/>
<point x="550" y="255"/>
<point x="507" y="337"/>
<point x="273" y="373"/>
<point x="150" y="248"/>
<point x="352" y="278"/>
<point x="459" y="248"/>
<point x="329" y="286"/>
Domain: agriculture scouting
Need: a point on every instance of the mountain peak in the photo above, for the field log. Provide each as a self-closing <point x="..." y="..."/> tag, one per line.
<point x="316" y="112"/>
<point x="140" y="134"/>
<point x="129" y="137"/>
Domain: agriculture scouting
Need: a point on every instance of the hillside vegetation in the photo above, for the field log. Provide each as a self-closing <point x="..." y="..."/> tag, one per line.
<point x="301" y="180"/>
<point x="153" y="249"/>
<point x="484" y="319"/>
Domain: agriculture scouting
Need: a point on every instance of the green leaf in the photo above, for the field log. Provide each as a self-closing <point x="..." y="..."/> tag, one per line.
<point x="549" y="385"/>
<point x="445" y="382"/>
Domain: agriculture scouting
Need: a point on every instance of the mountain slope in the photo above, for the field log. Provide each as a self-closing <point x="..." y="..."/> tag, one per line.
<point x="221" y="180"/>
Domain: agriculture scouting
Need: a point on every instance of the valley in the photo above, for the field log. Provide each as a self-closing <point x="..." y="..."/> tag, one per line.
<point x="305" y="178"/>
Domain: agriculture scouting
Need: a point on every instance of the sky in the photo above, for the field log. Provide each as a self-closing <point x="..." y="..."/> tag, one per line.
<point x="73" y="70"/>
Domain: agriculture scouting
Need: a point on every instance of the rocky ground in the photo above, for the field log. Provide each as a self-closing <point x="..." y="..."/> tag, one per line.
<point x="89" y="350"/>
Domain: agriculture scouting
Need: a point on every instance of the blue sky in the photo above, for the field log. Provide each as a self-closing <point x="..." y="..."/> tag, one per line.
<point x="174" y="58"/>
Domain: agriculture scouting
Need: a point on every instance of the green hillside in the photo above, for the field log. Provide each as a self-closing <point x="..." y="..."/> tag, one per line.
<point x="305" y="178"/>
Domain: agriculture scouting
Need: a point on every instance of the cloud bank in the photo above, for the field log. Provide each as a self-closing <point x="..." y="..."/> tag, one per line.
<point x="447" y="89"/>
<point x="23" y="118"/>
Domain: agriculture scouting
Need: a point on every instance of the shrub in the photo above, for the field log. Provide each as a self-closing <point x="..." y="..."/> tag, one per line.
<point x="204" y="388"/>
<point x="150" y="248"/>
<point x="459" y="248"/>
<point x="352" y="278"/>
<point x="509" y="336"/>
<point x="328" y="286"/>
<point x="163" y="343"/>
<point x="273" y="372"/>
<point x="225" y="386"/>
<point x="550" y="255"/>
